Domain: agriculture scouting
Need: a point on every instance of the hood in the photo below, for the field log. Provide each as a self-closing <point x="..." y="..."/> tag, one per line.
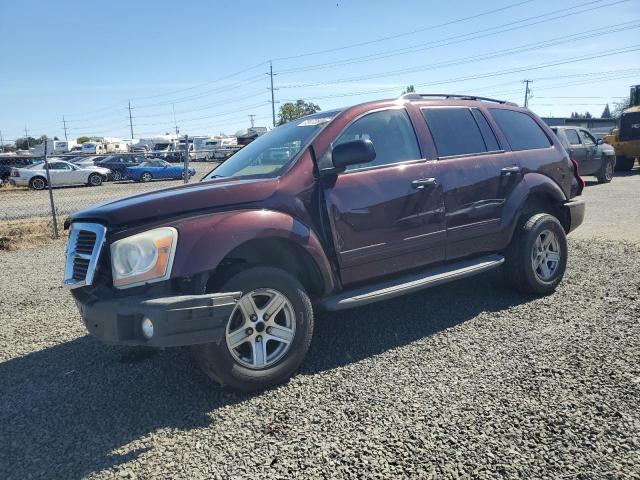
<point x="177" y="201"/>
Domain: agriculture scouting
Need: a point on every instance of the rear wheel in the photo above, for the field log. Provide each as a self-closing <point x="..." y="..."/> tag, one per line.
<point x="38" y="183"/>
<point x="95" y="179"/>
<point x="266" y="336"/>
<point x="146" y="177"/>
<point x="624" y="163"/>
<point x="537" y="257"/>
<point x="606" y="171"/>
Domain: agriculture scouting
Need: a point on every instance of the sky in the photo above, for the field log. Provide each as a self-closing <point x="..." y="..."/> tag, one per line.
<point x="208" y="61"/>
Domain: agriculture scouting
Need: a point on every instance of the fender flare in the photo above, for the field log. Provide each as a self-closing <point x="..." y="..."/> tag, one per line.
<point x="204" y="241"/>
<point x="532" y="183"/>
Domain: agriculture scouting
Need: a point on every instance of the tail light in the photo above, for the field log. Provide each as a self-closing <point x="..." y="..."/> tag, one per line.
<point x="576" y="173"/>
<point x="15" y="172"/>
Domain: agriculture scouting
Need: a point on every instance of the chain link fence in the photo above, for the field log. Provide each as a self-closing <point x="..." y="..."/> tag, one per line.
<point x="73" y="182"/>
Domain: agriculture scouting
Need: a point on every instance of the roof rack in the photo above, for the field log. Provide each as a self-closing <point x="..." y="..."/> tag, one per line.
<point x="420" y="96"/>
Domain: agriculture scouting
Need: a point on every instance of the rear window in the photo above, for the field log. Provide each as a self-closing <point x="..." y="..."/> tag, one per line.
<point x="573" y="137"/>
<point x="522" y="131"/>
<point x="459" y="131"/>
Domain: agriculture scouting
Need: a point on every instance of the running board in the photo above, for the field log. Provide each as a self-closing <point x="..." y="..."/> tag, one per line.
<point x="411" y="283"/>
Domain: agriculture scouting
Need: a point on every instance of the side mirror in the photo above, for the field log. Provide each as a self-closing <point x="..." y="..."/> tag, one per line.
<point x="352" y="153"/>
<point x="599" y="141"/>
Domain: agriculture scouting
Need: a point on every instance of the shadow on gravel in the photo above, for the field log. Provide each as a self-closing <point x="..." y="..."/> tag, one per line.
<point x="65" y="409"/>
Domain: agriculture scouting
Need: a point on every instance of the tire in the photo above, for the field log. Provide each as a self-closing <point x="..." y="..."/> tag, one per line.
<point x="624" y="163"/>
<point x="146" y="177"/>
<point x="605" y="174"/>
<point x="239" y="367"/>
<point x="116" y="175"/>
<point x="95" y="180"/>
<point x="523" y="252"/>
<point x="37" y="183"/>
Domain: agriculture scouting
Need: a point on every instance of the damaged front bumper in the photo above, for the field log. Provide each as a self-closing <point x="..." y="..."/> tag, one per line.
<point x="174" y="320"/>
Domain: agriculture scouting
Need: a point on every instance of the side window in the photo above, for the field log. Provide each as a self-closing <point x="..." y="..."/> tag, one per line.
<point x="587" y="139"/>
<point x="454" y="131"/>
<point x="58" y="166"/>
<point x="488" y="135"/>
<point x="573" y="137"/>
<point x="522" y="131"/>
<point x="391" y="133"/>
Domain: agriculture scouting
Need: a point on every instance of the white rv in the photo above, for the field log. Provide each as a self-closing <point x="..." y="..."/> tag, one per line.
<point x="94" y="148"/>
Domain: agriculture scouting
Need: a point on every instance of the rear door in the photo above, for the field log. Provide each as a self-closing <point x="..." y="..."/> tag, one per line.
<point x="594" y="159"/>
<point x="477" y="176"/>
<point x="387" y="215"/>
<point x="577" y="150"/>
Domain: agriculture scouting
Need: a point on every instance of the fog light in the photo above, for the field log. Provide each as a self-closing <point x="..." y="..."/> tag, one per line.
<point x="147" y="328"/>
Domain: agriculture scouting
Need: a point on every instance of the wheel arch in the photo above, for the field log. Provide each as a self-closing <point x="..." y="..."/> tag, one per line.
<point x="537" y="193"/>
<point x="224" y="243"/>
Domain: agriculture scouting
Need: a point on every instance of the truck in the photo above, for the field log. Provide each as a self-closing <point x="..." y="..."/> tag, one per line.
<point x="336" y="210"/>
<point x="625" y="139"/>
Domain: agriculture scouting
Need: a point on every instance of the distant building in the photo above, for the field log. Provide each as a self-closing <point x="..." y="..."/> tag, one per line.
<point x="589" y="123"/>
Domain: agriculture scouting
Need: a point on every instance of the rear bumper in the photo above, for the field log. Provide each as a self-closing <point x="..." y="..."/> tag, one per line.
<point x="575" y="209"/>
<point x="177" y="320"/>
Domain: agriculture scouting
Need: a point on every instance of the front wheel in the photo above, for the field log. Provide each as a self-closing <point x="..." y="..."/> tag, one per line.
<point x="116" y="175"/>
<point x="624" y="163"/>
<point x="605" y="175"/>
<point x="537" y="257"/>
<point x="267" y="335"/>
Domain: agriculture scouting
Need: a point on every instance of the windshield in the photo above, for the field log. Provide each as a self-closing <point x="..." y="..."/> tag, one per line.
<point x="269" y="154"/>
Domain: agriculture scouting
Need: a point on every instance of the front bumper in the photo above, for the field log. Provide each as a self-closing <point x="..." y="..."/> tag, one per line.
<point x="177" y="320"/>
<point x="575" y="209"/>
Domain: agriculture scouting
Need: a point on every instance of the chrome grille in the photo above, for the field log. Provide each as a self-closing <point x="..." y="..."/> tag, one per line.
<point x="83" y="251"/>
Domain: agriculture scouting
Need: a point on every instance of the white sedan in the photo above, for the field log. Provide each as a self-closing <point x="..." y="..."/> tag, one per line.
<point x="61" y="173"/>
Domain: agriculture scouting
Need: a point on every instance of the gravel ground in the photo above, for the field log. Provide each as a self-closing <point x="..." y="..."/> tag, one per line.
<point x="465" y="380"/>
<point x="25" y="203"/>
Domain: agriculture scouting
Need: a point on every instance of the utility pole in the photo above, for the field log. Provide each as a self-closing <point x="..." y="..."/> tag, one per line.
<point x="185" y="170"/>
<point x="26" y="136"/>
<point x="130" y="120"/>
<point x="251" y="119"/>
<point x="175" y="123"/>
<point x="1" y="142"/>
<point x="273" y="101"/>
<point x="527" y="91"/>
<point x="64" y="123"/>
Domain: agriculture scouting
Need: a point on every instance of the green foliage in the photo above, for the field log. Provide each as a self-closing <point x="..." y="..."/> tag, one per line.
<point x="82" y="139"/>
<point x="24" y="143"/>
<point x="606" y="113"/>
<point x="291" y="111"/>
<point x="619" y="107"/>
<point x="581" y="115"/>
<point x="409" y="89"/>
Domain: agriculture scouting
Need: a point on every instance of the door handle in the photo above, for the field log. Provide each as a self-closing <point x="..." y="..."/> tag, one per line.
<point x="513" y="170"/>
<point x="421" y="183"/>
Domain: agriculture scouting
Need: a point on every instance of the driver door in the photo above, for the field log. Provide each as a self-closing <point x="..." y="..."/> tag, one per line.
<point x="594" y="161"/>
<point x="387" y="215"/>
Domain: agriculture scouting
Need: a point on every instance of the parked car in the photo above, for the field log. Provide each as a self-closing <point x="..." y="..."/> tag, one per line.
<point x="592" y="155"/>
<point x="14" y="161"/>
<point x="118" y="163"/>
<point x="86" y="162"/>
<point x="335" y="210"/>
<point x="156" y="170"/>
<point x="61" y="173"/>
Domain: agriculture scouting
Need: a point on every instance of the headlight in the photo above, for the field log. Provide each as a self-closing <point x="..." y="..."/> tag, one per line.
<point x="143" y="258"/>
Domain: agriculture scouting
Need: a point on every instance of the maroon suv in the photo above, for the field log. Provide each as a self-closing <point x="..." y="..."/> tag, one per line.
<point x="335" y="210"/>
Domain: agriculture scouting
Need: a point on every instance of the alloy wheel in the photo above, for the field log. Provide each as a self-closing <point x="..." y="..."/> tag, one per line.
<point x="545" y="255"/>
<point x="117" y="176"/>
<point x="261" y="328"/>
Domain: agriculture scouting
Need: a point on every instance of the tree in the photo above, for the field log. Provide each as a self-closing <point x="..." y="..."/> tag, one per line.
<point x="606" y="113"/>
<point x="619" y="107"/>
<point x="82" y="139"/>
<point x="409" y="89"/>
<point x="290" y="111"/>
<point x="581" y="115"/>
<point x="24" y="143"/>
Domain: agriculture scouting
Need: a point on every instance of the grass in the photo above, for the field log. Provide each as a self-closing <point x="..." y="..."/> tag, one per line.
<point x="27" y="233"/>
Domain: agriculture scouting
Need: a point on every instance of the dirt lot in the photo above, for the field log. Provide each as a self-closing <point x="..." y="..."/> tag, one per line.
<point x="466" y="380"/>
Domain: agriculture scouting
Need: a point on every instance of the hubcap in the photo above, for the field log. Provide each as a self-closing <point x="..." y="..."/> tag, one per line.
<point x="545" y="255"/>
<point x="38" y="184"/>
<point x="117" y="175"/>
<point x="261" y="328"/>
<point x="146" y="177"/>
<point x="95" y="180"/>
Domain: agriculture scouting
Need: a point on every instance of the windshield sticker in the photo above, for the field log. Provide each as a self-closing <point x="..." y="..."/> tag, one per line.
<point x="309" y="122"/>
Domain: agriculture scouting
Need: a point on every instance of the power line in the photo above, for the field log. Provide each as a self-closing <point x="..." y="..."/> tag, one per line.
<point x="455" y="39"/>
<point x="403" y="34"/>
